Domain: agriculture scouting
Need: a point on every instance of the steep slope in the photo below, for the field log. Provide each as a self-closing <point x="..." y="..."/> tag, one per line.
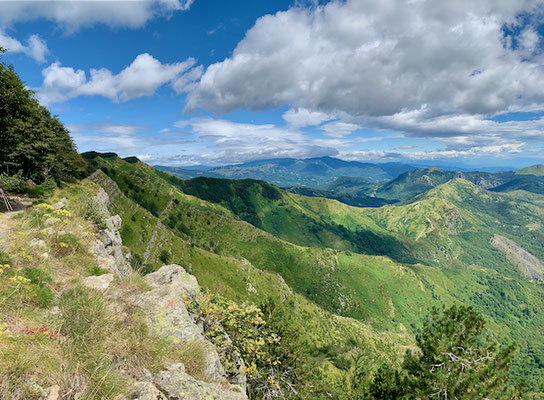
<point x="529" y="183"/>
<point x="78" y="323"/>
<point x="449" y="229"/>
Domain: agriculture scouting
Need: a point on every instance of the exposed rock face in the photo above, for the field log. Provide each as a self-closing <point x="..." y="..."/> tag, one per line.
<point x="108" y="249"/>
<point x="167" y="314"/>
<point x="528" y="264"/>
<point x="178" y="385"/>
<point x="146" y="391"/>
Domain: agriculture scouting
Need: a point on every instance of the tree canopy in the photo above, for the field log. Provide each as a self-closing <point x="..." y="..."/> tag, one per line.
<point x="35" y="143"/>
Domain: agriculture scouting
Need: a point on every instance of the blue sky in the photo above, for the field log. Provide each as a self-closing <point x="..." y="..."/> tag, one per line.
<point x="183" y="82"/>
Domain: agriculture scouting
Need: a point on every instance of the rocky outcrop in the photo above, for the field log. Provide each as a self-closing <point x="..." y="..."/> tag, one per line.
<point x="167" y="315"/>
<point x="528" y="264"/>
<point x="108" y="248"/>
<point x="176" y="384"/>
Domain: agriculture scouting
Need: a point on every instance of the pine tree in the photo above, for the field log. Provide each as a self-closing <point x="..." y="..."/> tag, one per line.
<point x="457" y="359"/>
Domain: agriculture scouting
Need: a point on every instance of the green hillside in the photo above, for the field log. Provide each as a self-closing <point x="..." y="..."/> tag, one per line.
<point x="419" y="181"/>
<point x="351" y="185"/>
<point x="536" y="170"/>
<point x="442" y="239"/>
<point x="356" y="200"/>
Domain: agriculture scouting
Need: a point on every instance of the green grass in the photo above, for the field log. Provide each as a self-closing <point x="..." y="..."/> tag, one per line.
<point x="434" y="250"/>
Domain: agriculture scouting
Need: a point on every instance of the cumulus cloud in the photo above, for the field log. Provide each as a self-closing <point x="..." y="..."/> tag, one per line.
<point x="384" y="155"/>
<point x="141" y="78"/>
<point x="36" y="47"/>
<point x="426" y="68"/>
<point x="232" y="142"/>
<point x="305" y="117"/>
<point x="74" y="14"/>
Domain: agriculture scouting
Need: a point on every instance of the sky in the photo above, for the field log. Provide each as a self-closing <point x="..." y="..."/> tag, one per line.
<point x="215" y="82"/>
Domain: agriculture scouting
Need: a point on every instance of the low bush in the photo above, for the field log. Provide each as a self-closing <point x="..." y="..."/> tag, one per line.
<point x="13" y="183"/>
<point x="94" y="212"/>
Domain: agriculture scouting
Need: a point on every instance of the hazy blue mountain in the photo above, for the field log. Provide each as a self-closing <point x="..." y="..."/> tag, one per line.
<point x="286" y="172"/>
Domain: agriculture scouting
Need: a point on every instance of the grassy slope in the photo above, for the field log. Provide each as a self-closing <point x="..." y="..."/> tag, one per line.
<point x="219" y="263"/>
<point x="61" y="333"/>
<point x="537" y="170"/>
<point x="449" y="228"/>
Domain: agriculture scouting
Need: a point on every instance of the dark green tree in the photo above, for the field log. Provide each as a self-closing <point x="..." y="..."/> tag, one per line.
<point x="34" y="142"/>
<point x="457" y="359"/>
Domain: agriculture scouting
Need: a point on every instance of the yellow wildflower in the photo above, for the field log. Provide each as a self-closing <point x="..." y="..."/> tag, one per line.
<point x="20" y="280"/>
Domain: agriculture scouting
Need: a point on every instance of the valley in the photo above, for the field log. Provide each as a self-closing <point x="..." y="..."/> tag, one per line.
<point x="384" y="266"/>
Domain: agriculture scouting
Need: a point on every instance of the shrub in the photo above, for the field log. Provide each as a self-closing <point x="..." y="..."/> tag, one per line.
<point x="165" y="257"/>
<point x="13" y="183"/>
<point x="95" y="212"/>
<point x="268" y="365"/>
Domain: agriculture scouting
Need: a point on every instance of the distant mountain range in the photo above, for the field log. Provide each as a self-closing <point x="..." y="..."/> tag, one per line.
<point x="285" y="172"/>
<point x="364" y="184"/>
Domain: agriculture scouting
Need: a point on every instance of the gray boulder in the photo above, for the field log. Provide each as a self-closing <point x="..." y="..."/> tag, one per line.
<point x="178" y="385"/>
<point x="167" y="314"/>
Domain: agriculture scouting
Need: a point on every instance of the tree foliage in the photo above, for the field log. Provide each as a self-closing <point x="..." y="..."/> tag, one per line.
<point x="34" y="143"/>
<point x="456" y="359"/>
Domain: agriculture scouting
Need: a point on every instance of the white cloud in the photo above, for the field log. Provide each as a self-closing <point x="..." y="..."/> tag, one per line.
<point x="74" y="14"/>
<point x="36" y="47"/>
<point x="141" y="78"/>
<point x="231" y="142"/>
<point x="382" y="155"/>
<point x="305" y="117"/>
<point x="338" y="129"/>
<point x="107" y="128"/>
<point x="426" y="68"/>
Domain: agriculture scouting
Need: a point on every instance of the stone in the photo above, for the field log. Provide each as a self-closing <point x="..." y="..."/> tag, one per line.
<point x="145" y="391"/>
<point x="45" y="256"/>
<point x="167" y="314"/>
<point x="174" y="274"/>
<point x="60" y="204"/>
<point x="48" y="231"/>
<point x="101" y="282"/>
<point x="37" y="243"/>
<point x="53" y="392"/>
<point x="178" y="385"/>
<point x="55" y="311"/>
